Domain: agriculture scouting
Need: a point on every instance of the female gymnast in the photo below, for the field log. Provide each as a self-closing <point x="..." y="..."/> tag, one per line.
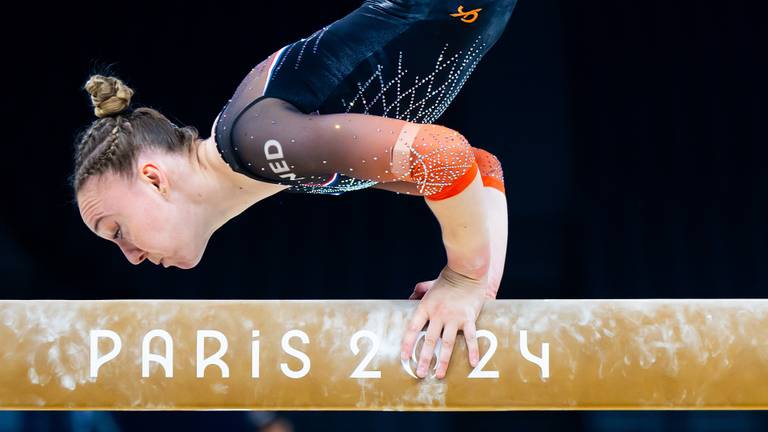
<point x="349" y="107"/>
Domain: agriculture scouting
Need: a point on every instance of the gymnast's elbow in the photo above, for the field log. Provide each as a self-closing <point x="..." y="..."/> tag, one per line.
<point x="443" y="163"/>
<point x="490" y="169"/>
<point x="441" y="160"/>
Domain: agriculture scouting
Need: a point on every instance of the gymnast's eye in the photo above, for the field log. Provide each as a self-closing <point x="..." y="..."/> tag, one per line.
<point x="117" y="234"/>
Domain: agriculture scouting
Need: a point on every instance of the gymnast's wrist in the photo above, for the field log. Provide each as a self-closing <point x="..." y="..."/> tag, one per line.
<point x="476" y="267"/>
<point x="470" y="255"/>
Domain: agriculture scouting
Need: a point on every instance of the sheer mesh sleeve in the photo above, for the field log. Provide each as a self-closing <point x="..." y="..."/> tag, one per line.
<point x="386" y="63"/>
<point x="488" y="164"/>
<point x="273" y="140"/>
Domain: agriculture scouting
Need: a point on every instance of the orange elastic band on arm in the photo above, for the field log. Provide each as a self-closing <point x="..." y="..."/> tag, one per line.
<point x="457" y="186"/>
<point x="438" y="159"/>
<point x="490" y="169"/>
<point x="493" y="182"/>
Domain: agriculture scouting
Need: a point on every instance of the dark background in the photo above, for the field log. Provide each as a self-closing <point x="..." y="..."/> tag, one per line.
<point x="632" y="136"/>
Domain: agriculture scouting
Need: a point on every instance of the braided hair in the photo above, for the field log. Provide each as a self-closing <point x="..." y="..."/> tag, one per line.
<point x="112" y="143"/>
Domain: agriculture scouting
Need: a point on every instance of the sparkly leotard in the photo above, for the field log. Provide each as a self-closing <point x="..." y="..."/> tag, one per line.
<point x="352" y="105"/>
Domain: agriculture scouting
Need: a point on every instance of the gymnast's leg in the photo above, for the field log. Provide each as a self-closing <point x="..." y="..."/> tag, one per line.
<point x="402" y="59"/>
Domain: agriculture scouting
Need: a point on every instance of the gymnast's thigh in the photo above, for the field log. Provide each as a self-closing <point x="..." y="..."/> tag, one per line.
<point x="416" y="74"/>
<point x="308" y="70"/>
<point x="401" y="59"/>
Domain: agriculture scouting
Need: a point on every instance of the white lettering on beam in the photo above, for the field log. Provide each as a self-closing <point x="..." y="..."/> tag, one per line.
<point x="361" y="371"/>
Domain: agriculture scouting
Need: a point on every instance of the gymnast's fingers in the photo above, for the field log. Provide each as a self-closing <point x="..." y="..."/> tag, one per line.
<point x="414" y="327"/>
<point x="446" y="348"/>
<point x="422" y="288"/>
<point x="470" y="335"/>
<point x="428" y="348"/>
<point x="416" y="295"/>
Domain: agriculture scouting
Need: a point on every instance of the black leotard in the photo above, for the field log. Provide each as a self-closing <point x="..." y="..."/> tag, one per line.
<point x="335" y="103"/>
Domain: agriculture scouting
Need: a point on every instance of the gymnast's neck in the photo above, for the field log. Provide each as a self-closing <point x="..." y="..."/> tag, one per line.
<point x="226" y="193"/>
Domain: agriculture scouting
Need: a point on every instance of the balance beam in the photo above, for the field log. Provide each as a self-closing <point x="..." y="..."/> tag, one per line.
<point x="345" y="355"/>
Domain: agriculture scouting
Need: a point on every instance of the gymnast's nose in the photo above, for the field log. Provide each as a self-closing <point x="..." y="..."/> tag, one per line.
<point x="133" y="254"/>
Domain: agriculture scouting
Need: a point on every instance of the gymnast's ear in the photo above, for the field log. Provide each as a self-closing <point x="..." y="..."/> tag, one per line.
<point x="154" y="176"/>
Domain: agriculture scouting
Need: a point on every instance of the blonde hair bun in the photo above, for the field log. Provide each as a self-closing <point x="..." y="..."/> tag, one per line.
<point x="109" y="95"/>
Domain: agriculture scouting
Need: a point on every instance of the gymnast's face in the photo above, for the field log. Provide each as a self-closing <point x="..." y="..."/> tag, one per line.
<point x="149" y="216"/>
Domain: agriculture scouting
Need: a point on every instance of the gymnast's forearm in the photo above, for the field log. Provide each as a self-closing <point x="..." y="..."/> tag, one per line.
<point x="466" y="223"/>
<point x="497" y="204"/>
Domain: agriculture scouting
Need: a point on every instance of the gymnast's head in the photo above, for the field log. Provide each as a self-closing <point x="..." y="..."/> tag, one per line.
<point x="137" y="180"/>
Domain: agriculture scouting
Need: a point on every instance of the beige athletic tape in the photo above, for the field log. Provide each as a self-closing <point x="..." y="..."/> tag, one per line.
<point x="401" y="152"/>
<point x="323" y="354"/>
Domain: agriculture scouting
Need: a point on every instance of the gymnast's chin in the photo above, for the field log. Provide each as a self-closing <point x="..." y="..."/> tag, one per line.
<point x="156" y="190"/>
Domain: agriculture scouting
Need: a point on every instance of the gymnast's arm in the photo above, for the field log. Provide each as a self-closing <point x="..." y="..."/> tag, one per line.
<point x="495" y="197"/>
<point x="280" y="142"/>
<point x="495" y="202"/>
<point x="492" y="176"/>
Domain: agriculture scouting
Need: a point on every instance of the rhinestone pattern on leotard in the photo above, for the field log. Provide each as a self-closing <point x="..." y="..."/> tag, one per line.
<point x="410" y="67"/>
<point x="438" y="157"/>
<point x="427" y="98"/>
<point x="302" y="44"/>
<point x="423" y="102"/>
<point x="489" y="164"/>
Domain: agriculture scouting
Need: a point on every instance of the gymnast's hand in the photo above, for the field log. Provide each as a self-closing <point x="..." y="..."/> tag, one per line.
<point x="450" y="303"/>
